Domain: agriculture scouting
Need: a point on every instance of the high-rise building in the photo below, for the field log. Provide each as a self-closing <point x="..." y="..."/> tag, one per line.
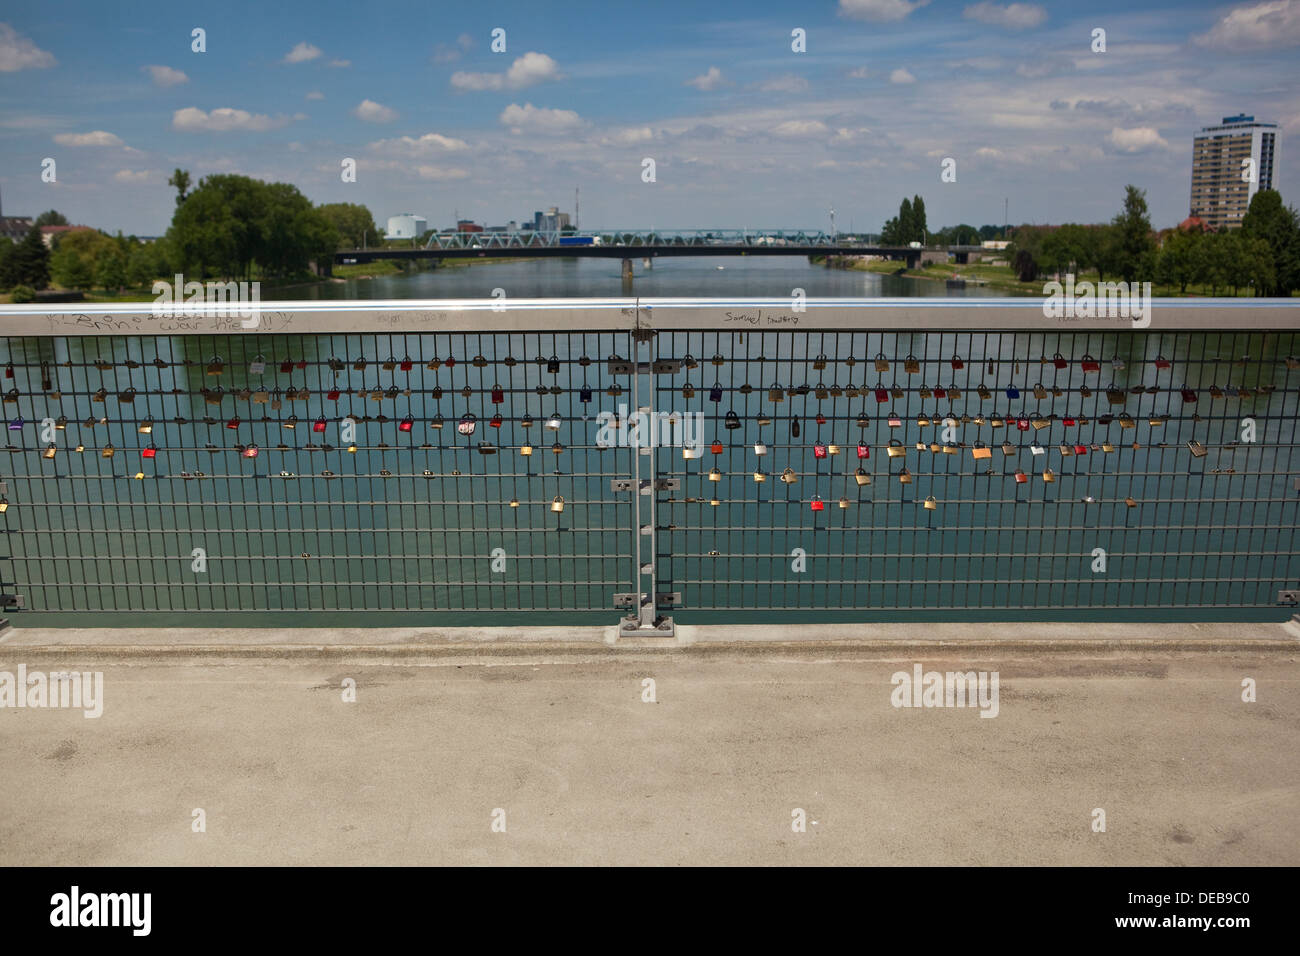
<point x="1230" y="163"/>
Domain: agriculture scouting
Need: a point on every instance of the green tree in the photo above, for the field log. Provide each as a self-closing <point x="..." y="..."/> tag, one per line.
<point x="1180" y="261"/>
<point x="7" y="279"/>
<point x="31" y="266"/>
<point x="1135" y="246"/>
<point x="110" y="271"/>
<point x="181" y="180"/>
<point x="1279" y="228"/>
<point x="917" y="224"/>
<point x="51" y="217"/>
<point x="75" y="261"/>
<point x="1024" y="266"/>
<point x="353" y="222"/>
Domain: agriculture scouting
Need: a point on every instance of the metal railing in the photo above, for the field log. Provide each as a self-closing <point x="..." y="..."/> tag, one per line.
<point x="941" y="458"/>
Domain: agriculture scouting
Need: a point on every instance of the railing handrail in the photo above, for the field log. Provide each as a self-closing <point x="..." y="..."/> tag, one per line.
<point x="524" y="315"/>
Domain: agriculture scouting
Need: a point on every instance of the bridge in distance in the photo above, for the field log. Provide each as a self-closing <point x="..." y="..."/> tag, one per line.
<point x="630" y="244"/>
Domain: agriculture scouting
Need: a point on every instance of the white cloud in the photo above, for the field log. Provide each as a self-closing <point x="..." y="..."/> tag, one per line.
<point x="879" y="10"/>
<point x="315" y="95"/>
<point x="441" y="173"/>
<point x="372" y="112"/>
<point x="135" y="176"/>
<point x="429" y="143"/>
<point x="901" y="76"/>
<point x="1140" y="139"/>
<point x="97" y="138"/>
<point x="800" y="129"/>
<point x="1262" y="26"/>
<point x="789" y="83"/>
<point x="165" y="76"/>
<point x="1013" y="16"/>
<point x="859" y="74"/>
<point x="340" y="64"/>
<point x="630" y="137"/>
<point x="709" y="80"/>
<point x="19" y="53"/>
<point x="529" y="70"/>
<point x="222" y="120"/>
<point x="534" y="119"/>
<point x="302" y="53"/>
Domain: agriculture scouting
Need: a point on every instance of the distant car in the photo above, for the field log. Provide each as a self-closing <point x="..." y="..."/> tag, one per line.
<point x="914" y="245"/>
<point x="580" y="241"/>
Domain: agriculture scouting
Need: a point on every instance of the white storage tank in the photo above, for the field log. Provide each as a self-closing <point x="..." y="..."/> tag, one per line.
<point x="406" y="226"/>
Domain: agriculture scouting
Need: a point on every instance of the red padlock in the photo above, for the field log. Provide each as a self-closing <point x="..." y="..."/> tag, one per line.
<point x="450" y="363"/>
<point x="286" y="366"/>
<point x="148" y="452"/>
<point x="1081" y="449"/>
<point x="233" y="423"/>
<point x="1189" y="396"/>
<point x="957" y="362"/>
<point x="250" y="451"/>
<point x="498" y="395"/>
<point x="1090" y="364"/>
<point x="882" y="395"/>
<point x="405" y="424"/>
<point x="716" y="448"/>
<point x="940" y="392"/>
<point x="821" y="419"/>
<point x="406" y="364"/>
<point x="1059" y="361"/>
<point x="496" y="421"/>
<point x="300" y="364"/>
<point x="1069" y="421"/>
<point x="864" y="450"/>
<point x="1162" y="362"/>
<point x="819" y="450"/>
<point x="818" y="504"/>
<point x="333" y="395"/>
<point x="1021" y="477"/>
<point x="318" y="425"/>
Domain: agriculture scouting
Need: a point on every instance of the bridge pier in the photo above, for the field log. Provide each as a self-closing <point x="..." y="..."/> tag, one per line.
<point x="647" y="263"/>
<point x="627" y="270"/>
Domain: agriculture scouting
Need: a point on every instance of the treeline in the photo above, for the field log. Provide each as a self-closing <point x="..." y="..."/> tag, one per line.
<point x="229" y="227"/>
<point x="1263" y="255"/>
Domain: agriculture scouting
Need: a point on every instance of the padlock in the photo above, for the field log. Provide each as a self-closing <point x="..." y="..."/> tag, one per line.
<point x="1013" y="392"/>
<point x="760" y="449"/>
<point x="584" y="394"/>
<point x="146" y="427"/>
<point x="1036" y="449"/>
<point x="922" y="420"/>
<point x="688" y="391"/>
<point x="1039" y="391"/>
<point x="487" y="448"/>
<point x="895" y="448"/>
<point x="1058" y="361"/>
<point x="979" y="451"/>
<point x="882" y="364"/>
<point x="882" y="395"/>
<point x="836" y="391"/>
<point x="861" y="477"/>
<point x="789" y="477"/>
<point x="731" y="421"/>
<point x="1080" y="449"/>
<point x="1090" y="364"/>
<point x="99" y="396"/>
<point x="451" y="362"/>
<point x="957" y="363"/>
<point x="817" y="503"/>
<point x="940" y="392"/>
<point x="467" y="424"/>
<point x="127" y="397"/>
<point x="216" y="365"/>
<point x="911" y="366"/>
<point x="466" y="392"/>
<point x="498" y="395"/>
<point x="820" y="391"/>
<point x="897" y="391"/>
<point x="715" y="475"/>
<point x="819" y="362"/>
<point x="406" y="424"/>
<point x="50" y="450"/>
<point x="863" y="420"/>
<point x="553" y="365"/>
<point x="895" y="421"/>
<point x="1126" y="420"/>
<point x="864" y="450"/>
<point x="257" y="366"/>
<point x="1049" y="476"/>
<point x="1008" y="449"/>
<point x="332" y="395"/>
<point x="250" y="451"/>
<point x="715" y="393"/>
<point x="983" y="391"/>
<point x="821" y="419"/>
<point x="1066" y="450"/>
<point x="526" y="450"/>
<point x="904" y="477"/>
<point x="1021" y="477"/>
<point x="1132" y="503"/>
<point x="931" y="503"/>
<point x="1022" y="424"/>
<point x="1189" y="396"/>
<point x="690" y="453"/>
<point x="108" y="451"/>
<point x="819" y="450"/>
<point x="1115" y="396"/>
<point x="558" y="449"/>
<point x="925" y="392"/>
<point x="233" y="424"/>
<point x="1162" y="362"/>
<point x="1196" y="448"/>
<point x="954" y="393"/>
<point x="760" y="477"/>
<point x="775" y="394"/>
<point x="554" y="421"/>
<point x="360" y="364"/>
<point x="716" y="447"/>
<point x="407" y="363"/>
<point x="1107" y="447"/>
<point x="557" y="504"/>
<point x="794" y="428"/>
<point x="717" y="359"/>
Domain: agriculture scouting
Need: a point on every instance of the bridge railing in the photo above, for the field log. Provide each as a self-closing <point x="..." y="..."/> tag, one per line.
<point x="639" y="237"/>
<point x="465" y="462"/>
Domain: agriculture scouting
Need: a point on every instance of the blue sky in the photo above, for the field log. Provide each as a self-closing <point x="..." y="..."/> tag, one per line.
<point x="744" y="131"/>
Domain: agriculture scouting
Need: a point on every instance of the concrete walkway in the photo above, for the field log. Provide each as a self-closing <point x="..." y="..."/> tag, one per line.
<point x="739" y="736"/>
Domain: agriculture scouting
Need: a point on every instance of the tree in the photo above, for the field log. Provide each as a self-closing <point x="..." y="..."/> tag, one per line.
<point x="1135" y="246"/>
<point x="75" y="261"/>
<point x="1279" y="228"/>
<point x="31" y="260"/>
<point x="1180" y="259"/>
<point x="353" y="222"/>
<point x="110" y="271"/>
<point x="181" y="180"/>
<point x="1024" y="266"/>
<point x="51" y="217"/>
<point x="7" y="279"/>
<point x="918" y="220"/>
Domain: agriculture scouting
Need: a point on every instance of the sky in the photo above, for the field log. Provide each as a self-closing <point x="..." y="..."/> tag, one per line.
<point x="744" y="130"/>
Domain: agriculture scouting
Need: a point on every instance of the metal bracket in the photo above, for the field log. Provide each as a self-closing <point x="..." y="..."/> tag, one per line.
<point x="625" y="600"/>
<point x="660" y="484"/>
<point x="12" y="601"/>
<point x="666" y="366"/>
<point x="1296" y="483"/>
<point x="620" y="367"/>
<point x="662" y="627"/>
<point x="668" y="597"/>
<point x="620" y="484"/>
<point x="1288" y="597"/>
